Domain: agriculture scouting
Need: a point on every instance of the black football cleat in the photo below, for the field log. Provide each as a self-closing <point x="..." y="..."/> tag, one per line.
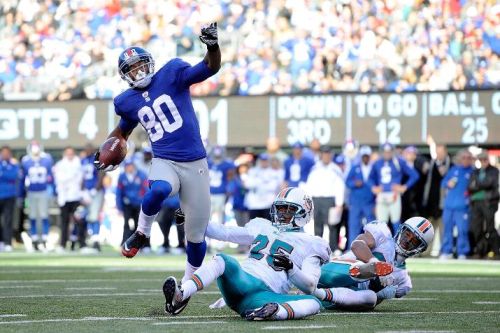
<point x="266" y="312"/>
<point x="173" y="297"/>
<point x="133" y="244"/>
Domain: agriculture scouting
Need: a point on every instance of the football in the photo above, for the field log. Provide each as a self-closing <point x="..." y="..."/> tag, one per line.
<point x="113" y="151"/>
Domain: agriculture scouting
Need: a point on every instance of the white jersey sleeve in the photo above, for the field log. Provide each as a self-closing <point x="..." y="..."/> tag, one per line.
<point x="379" y="230"/>
<point x="384" y="248"/>
<point x="224" y="233"/>
<point x="258" y="226"/>
<point x="321" y="249"/>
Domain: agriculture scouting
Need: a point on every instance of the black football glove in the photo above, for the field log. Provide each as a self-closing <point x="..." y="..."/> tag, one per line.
<point x="179" y="217"/>
<point x="101" y="166"/>
<point x="282" y="261"/>
<point x="209" y="36"/>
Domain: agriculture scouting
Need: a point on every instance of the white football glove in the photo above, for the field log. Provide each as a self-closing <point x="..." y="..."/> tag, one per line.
<point x="387" y="280"/>
<point x="101" y="166"/>
<point x="209" y="36"/>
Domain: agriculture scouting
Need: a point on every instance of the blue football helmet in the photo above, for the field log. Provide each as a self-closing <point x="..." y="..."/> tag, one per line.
<point x="145" y="72"/>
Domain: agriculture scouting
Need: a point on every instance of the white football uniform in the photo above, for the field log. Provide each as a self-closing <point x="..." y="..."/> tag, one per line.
<point x="266" y="240"/>
<point x="385" y="250"/>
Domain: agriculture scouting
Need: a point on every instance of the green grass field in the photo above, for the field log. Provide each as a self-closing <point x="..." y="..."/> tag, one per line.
<point x="108" y="293"/>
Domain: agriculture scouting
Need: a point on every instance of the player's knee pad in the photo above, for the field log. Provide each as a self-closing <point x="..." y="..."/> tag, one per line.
<point x="160" y="188"/>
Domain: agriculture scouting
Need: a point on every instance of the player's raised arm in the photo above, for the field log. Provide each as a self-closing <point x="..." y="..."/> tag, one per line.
<point x="209" y="37"/>
<point x="210" y="63"/>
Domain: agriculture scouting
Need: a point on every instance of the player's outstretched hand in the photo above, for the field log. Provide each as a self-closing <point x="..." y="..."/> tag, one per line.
<point x="282" y="261"/>
<point x="209" y="36"/>
<point x="101" y="166"/>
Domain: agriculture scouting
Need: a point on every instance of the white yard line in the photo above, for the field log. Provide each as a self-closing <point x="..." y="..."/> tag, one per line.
<point x="159" y="291"/>
<point x="12" y="315"/>
<point x="55" y="320"/>
<point x="395" y="313"/>
<point x="412" y="299"/>
<point x="457" y="291"/>
<point x="20" y="287"/>
<point x="78" y="280"/>
<point x="95" y="294"/>
<point x="304" y="327"/>
<point x="61" y="320"/>
<point x="485" y="302"/>
<point x="91" y="288"/>
<point x="190" y="323"/>
<point x="76" y="295"/>
<point x="419" y="331"/>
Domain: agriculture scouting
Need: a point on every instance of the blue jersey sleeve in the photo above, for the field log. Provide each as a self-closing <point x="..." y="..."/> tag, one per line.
<point x="126" y="124"/>
<point x="188" y="75"/>
<point x="412" y="174"/>
<point x="373" y="178"/>
<point x="447" y="177"/>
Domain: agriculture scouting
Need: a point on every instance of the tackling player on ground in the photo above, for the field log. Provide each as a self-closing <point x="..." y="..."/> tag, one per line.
<point x="281" y="255"/>
<point x="374" y="245"/>
<point x="161" y="103"/>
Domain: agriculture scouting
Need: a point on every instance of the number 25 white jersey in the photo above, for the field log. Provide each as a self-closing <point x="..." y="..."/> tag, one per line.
<point x="268" y="240"/>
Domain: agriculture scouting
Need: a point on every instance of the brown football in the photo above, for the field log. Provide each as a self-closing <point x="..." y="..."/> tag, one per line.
<point x="113" y="151"/>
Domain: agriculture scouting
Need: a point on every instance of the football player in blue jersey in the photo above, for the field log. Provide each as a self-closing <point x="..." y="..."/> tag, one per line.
<point x="93" y="194"/>
<point x="162" y="104"/>
<point x="386" y="182"/>
<point x="221" y="171"/>
<point x="36" y="168"/>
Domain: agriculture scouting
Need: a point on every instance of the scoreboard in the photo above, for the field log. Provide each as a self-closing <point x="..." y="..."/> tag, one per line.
<point x="457" y="118"/>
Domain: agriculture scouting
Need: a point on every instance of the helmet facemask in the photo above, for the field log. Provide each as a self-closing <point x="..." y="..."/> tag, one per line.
<point x="284" y="213"/>
<point x="409" y="242"/>
<point x="143" y="71"/>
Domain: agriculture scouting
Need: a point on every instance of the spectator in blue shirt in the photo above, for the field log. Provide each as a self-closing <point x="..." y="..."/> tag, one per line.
<point x="297" y="167"/>
<point x="456" y="206"/>
<point x="361" y="198"/>
<point x="132" y="185"/>
<point x="386" y="179"/>
<point x="9" y="173"/>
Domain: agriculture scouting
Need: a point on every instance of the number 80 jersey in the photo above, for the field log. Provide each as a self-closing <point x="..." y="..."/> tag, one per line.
<point x="268" y="241"/>
<point x="165" y="110"/>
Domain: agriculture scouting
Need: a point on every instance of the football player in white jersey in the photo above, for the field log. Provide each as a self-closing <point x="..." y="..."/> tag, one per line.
<point x="281" y="255"/>
<point x="374" y="245"/>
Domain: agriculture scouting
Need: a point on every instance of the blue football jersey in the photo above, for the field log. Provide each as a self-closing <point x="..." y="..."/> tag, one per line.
<point x="90" y="173"/>
<point x="37" y="173"/>
<point x="297" y="171"/>
<point x="218" y="176"/>
<point x="165" y="110"/>
<point x="387" y="173"/>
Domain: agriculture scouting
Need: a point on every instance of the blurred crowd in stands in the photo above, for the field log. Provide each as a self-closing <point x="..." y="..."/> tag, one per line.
<point x="64" y="49"/>
<point x="349" y="187"/>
